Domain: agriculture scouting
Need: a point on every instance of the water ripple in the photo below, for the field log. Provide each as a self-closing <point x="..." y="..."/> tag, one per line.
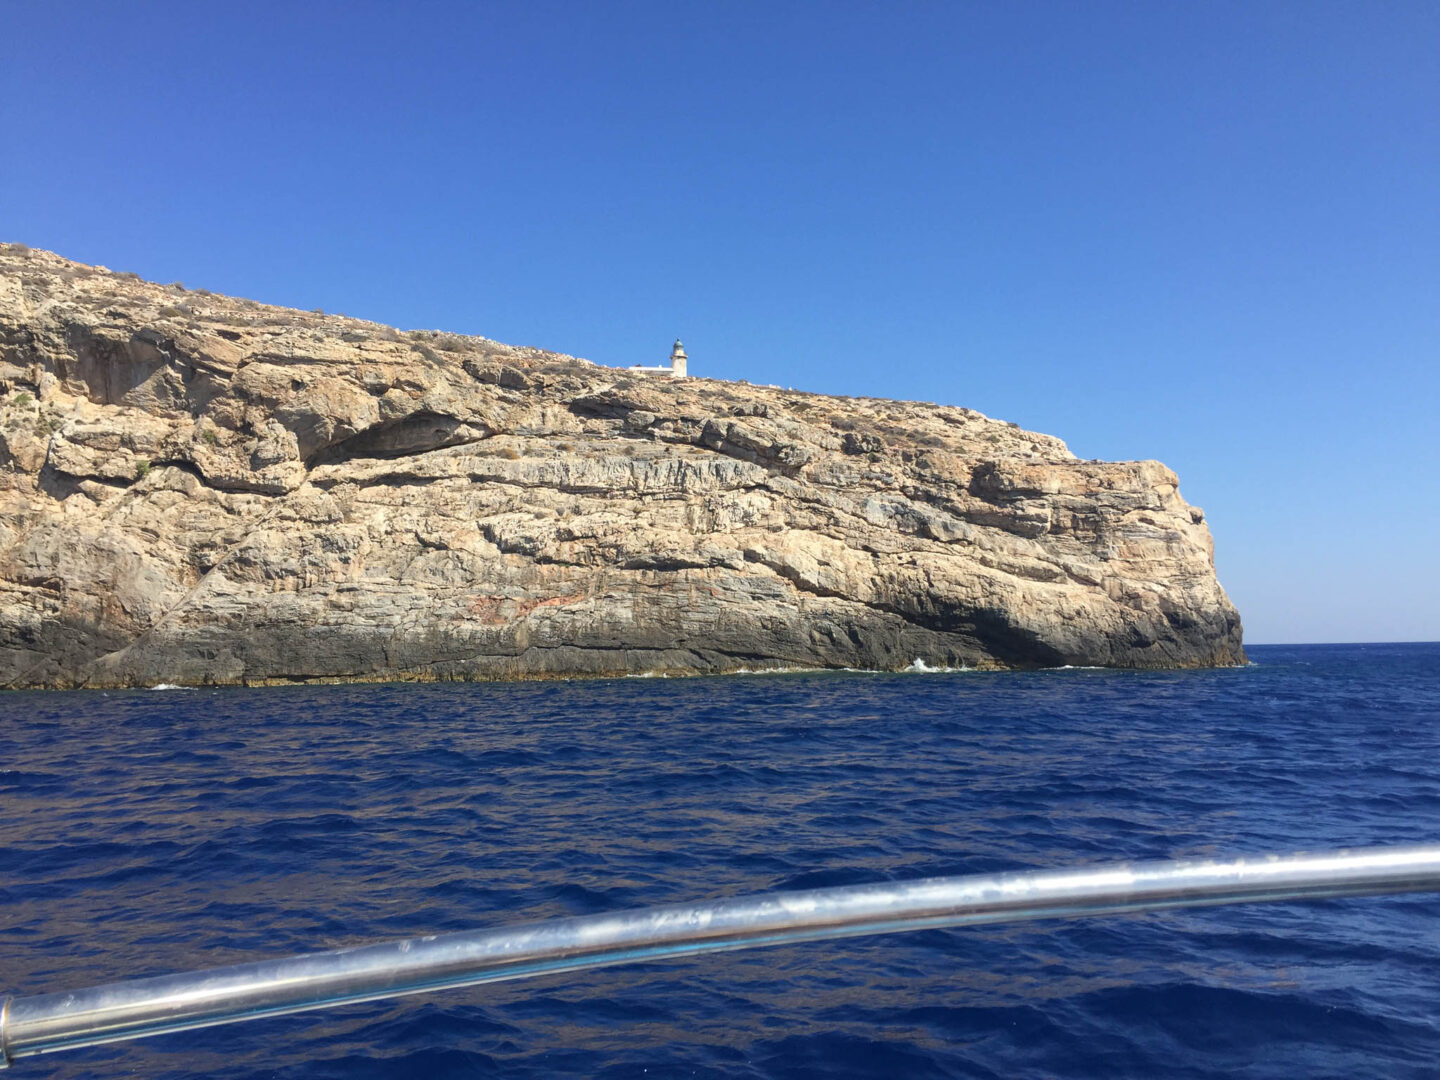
<point x="151" y="832"/>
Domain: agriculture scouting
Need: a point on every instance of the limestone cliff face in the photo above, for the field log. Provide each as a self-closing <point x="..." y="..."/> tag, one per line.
<point x="197" y="489"/>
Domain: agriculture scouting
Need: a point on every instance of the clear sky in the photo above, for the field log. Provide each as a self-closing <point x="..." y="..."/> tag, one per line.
<point x="1207" y="233"/>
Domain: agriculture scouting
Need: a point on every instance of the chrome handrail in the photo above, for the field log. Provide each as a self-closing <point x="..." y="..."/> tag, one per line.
<point x="126" y="1010"/>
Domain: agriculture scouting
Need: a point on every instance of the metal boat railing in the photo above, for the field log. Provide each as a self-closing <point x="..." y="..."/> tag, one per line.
<point x="127" y="1010"/>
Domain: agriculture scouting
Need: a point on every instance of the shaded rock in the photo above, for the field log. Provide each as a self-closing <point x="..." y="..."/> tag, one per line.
<point x="228" y="492"/>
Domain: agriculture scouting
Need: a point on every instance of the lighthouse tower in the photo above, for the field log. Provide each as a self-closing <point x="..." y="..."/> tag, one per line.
<point x="676" y="370"/>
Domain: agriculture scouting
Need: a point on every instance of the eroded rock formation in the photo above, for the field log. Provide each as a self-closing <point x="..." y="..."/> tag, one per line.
<point x="199" y="489"/>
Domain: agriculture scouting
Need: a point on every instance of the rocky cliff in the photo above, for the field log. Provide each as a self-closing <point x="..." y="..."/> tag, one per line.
<point x="199" y="489"/>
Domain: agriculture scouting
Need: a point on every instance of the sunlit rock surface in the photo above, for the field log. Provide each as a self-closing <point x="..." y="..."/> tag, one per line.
<point x="200" y="489"/>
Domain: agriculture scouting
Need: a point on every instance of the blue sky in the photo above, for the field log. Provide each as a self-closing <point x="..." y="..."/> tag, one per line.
<point x="1206" y="233"/>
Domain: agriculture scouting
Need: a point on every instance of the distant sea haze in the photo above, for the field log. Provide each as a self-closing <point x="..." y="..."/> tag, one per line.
<point x="151" y="831"/>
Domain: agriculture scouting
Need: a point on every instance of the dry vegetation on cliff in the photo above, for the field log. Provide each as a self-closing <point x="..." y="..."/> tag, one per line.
<point x="197" y="488"/>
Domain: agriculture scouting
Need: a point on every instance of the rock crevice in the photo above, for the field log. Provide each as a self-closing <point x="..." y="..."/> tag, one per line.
<point x="200" y="489"/>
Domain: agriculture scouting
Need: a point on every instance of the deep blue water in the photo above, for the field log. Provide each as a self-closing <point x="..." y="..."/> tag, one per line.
<point x="152" y="831"/>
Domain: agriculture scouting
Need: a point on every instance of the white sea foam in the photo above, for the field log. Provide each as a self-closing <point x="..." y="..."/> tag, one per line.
<point x="919" y="667"/>
<point x="779" y="671"/>
<point x="169" y="686"/>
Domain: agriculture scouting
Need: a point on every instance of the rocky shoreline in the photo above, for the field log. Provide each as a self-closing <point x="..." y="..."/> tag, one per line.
<point x="200" y="490"/>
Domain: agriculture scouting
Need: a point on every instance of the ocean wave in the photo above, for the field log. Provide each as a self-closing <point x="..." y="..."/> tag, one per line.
<point x="173" y="832"/>
<point x="919" y="667"/>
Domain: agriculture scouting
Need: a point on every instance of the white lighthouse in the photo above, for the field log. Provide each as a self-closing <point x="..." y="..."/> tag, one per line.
<point x="676" y="370"/>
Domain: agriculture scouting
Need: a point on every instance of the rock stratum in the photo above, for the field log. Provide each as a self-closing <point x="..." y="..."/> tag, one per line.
<point x="197" y="489"/>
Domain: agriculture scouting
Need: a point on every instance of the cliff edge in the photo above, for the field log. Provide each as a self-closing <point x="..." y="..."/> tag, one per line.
<point x="200" y="489"/>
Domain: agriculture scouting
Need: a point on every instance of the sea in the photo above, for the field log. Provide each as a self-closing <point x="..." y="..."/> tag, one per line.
<point x="151" y="831"/>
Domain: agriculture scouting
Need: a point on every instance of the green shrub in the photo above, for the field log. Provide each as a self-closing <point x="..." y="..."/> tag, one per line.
<point x="142" y="468"/>
<point x="210" y="437"/>
<point x="22" y="399"/>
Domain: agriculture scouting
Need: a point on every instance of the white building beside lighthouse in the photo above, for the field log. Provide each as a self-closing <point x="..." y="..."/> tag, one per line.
<point x="676" y="369"/>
